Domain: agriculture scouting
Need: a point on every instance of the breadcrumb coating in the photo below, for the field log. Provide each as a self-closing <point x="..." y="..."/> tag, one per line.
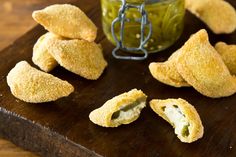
<point x="203" y="68"/>
<point x="34" y="86"/>
<point x="103" y="115"/>
<point x="166" y="72"/>
<point x="66" y="20"/>
<point x="41" y="57"/>
<point x="228" y="54"/>
<point x="78" y="56"/>
<point x="219" y="15"/>
<point x="195" y="128"/>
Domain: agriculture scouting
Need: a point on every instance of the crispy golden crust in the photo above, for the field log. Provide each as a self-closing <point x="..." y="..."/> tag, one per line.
<point x="219" y="15"/>
<point x="167" y="73"/>
<point x="103" y="115"/>
<point x="228" y="54"/>
<point x="203" y="68"/>
<point x="34" y="86"/>
<point x="78" y="56"/>
<point x="66" y="20"/>
<point x="41" y="57"/>
<point x="196" y="128"/>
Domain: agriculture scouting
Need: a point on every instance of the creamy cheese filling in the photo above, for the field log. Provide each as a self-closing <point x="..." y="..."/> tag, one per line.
<point x="128" y="112"/>
<point x="177" y="118"/>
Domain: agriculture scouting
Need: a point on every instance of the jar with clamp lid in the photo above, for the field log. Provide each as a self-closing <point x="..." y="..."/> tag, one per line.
<point x="142" y="26"/>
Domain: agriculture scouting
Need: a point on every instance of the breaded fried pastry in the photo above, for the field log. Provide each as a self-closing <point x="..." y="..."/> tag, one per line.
<point x="167" y="73"/>
<point x="34" y="86"/>
<point x="122" y="109"/>
<point x="219" y="15"/>
<point x="66" y="20"/>
<point x="228" y="54"/>
<point x="79" y="56"/>
<point x="182" y="116"/>
<point x="41" y="57"/>
<point x="203" y="68"/>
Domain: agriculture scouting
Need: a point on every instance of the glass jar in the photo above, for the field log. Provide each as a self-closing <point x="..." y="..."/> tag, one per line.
<point x="166" y="17"/>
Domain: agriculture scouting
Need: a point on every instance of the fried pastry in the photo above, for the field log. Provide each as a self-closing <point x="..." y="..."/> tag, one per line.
<point x="203" y="68"/>
<point x="34" y="86"/>
<point x="41" y="57"/>
<point x="78" y="56"/>
<point x="219" y="15"/>
<point x="66" y="20"/>
<point x="228" y="54"/>
<point x="167" y="73"/>
<point x="182" y="116"/>
<point x="122" y="109"/>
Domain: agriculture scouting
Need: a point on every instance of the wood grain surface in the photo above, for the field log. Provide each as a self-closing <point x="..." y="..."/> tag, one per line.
<point x="7" y="149"/>
<point x="10" y="29"/>
<point x="16" y="20"/>
<point x="62" y="128"/>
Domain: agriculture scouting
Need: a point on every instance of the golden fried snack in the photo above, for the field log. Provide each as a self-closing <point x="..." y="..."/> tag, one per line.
<point x="182" y="116"/>
<point x="78" y="56"/>
<point x="167" y="73"/>
<point x="41" y="57"/>
<point x="203" y="68"/>
<point x="66" y="20"/>
<point x="219" y="15"/>
<point x="122" y="109"/>
<point x="34" y="86"/>
<point x="228" y="54"/>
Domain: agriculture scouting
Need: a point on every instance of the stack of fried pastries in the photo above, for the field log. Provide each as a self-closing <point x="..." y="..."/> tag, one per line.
<point x="199" y="65"/>
<point x="69" y="43"/>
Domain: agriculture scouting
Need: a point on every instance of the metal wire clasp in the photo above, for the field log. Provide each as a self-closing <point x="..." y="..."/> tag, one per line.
<point x="122" y="19"/>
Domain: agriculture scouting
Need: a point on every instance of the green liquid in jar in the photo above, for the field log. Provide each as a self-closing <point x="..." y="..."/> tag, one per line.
<point x="166" y="16"/>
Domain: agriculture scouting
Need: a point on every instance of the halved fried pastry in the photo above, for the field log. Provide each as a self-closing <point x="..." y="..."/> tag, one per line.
<point x="78" y="56"/>
<point x="166" y="72"/>
<point x="41" y="57"/>
<point x="122" y="109"/>
<point x="219" y="15"/>
<point x="228" y="54"/>
<point x="182" y="116"/>
<point x="34" y="86"/>
<point x="66" y="20"/>
<point x="203" y="68"/>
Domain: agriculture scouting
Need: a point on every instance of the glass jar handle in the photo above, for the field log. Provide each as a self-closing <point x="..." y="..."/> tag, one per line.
<point x="122" y="19"/>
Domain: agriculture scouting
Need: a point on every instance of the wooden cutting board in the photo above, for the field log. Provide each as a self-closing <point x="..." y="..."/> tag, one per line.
<point x="62" y="128"/>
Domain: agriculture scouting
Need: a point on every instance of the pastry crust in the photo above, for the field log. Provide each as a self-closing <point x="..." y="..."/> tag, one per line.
<point x="103" y="115"/>
<point x="195" y="127"/>
<point x="228" y="54"/>
<point x="78" y="56"/>
<point x="66" y="20"/>
<point x="34" y="86"/>
<point x="219" y="15"/>
<point x="166" y="72"/>
<point x="203" y="68"/>
<point x="41" y="57"/>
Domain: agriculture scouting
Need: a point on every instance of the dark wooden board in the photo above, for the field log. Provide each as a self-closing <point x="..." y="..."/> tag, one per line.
<point x="62" y="128"/>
